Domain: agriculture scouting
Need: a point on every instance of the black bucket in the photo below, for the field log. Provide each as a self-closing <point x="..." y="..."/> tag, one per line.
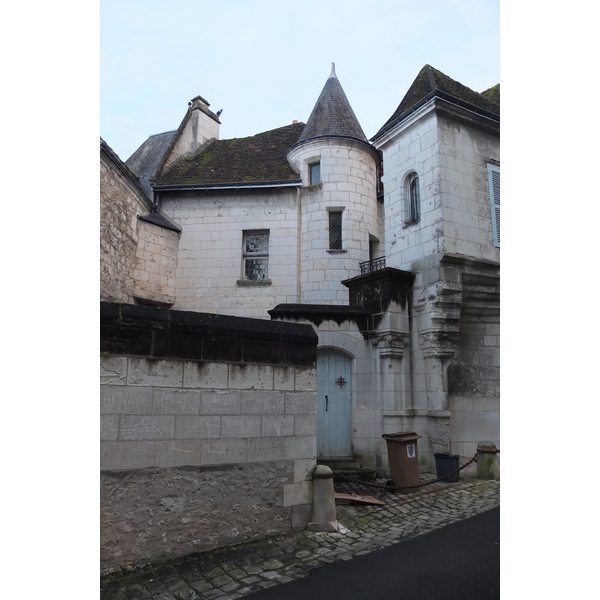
<point x="446" y="463"/>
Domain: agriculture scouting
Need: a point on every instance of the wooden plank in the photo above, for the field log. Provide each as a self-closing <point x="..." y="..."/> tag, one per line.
<point x="356" y="499"/>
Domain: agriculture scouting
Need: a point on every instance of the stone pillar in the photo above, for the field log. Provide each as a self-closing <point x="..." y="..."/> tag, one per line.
<point x="439" y="316"/>
<point x="488" y="464"/>
<point x="324" y="516"/>
<point x="437" y="382"/>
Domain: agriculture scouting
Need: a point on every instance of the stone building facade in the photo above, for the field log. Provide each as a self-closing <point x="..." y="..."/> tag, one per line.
<point x="388" y="248"/>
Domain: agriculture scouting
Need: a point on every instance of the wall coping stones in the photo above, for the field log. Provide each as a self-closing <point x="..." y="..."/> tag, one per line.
<point x="317" y="313"/>
<point x="158" y="332"/>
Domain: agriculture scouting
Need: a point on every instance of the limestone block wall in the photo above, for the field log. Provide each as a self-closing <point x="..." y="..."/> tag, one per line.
<point x="348" y="184"/>
<point x="474" y="385"/>
<point x="210" y="263"/>
<point x="464" y="154"/>
<point x="474" y="419"/>
<point x="138" y="259"/>
<point x="121" y="203"/>
<point x="156" y="263"/>
<point x="208" y="431"/>
<point x="412" y="148"/>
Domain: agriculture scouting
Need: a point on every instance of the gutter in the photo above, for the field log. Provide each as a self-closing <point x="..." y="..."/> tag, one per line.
<point x="338" y="137"/>
<point x="228" y="186"/>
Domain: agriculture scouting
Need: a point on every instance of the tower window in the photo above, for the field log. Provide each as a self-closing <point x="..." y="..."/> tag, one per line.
<point x="413" y="203"/>
<point x="335" y="230"/>
<point x="315" y="173"/>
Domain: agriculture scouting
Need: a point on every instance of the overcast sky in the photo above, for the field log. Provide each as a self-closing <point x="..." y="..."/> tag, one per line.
<point x="265" y="62"/>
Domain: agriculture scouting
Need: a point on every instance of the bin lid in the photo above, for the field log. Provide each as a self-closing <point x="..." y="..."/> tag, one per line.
<point x="402" y="436"/>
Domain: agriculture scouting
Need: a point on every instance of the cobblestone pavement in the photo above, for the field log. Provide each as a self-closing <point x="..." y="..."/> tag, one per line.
<point x="237" y="571"/>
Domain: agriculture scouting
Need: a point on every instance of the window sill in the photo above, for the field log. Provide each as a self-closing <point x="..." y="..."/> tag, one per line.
<point x="251" y="282"/>
<point x="342" y="251"/>
<point x="409" y="223"/>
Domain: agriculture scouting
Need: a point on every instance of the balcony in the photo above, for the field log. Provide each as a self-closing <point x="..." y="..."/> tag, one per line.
<point x="370" y="266"/>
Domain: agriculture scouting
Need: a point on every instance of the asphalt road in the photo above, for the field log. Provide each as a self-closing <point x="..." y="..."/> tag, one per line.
<point x="458" y="562"/>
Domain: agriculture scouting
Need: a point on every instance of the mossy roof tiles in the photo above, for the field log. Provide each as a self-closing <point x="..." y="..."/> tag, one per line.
<point x="257" y="158"/>
<point x="493" y="94"/>
<point x="430" y="83"/>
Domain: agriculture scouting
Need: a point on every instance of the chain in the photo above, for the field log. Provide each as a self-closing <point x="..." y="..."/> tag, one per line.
<point x="389" y="487"/>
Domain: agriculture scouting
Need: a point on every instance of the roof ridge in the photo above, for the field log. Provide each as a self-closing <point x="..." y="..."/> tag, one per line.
<point x="162" y="133"/>
<point x="430" y="76"/>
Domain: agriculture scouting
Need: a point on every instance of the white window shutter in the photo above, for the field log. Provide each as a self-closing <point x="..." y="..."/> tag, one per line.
<point x="494" y="185"/>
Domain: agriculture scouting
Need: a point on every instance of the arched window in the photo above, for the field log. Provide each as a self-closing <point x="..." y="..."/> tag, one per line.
<point x="413" y="204"/>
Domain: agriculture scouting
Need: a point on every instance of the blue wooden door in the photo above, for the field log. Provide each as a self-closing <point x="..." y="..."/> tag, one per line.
<point x="334" y="404"/>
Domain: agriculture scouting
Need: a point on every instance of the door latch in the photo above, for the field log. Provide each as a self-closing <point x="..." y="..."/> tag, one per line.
<point x="326" y="402"/>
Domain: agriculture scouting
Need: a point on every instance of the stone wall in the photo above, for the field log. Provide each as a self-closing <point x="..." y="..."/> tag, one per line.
<point x="210" y="271"/>
<point x="138" y="257"/>
<point x="465" y="152"/>
<point x="121" y="203"/>
<point x="474" y="385"/>
<point x="156" y="263"/>
<point x="412" y="148"/>
<point x="208" y="431"/>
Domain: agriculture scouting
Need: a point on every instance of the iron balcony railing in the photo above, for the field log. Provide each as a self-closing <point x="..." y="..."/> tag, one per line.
<point x="369" y="266"/>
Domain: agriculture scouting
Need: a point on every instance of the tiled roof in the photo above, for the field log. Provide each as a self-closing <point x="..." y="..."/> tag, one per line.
<point x="332" y="115"/>
<point x="160" y="219"/>
<point x="493" y="94"/>
<point x="257" y="159"/>
<point x="146" y="160"/>
<point x="430" y="83"/>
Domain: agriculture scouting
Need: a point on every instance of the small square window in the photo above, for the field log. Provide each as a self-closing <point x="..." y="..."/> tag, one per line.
<point x="315" y="173"/>
<point x="256" y="255"/>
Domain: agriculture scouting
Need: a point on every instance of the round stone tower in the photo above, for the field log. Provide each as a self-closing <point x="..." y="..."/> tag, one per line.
<point x="341" y="221"/>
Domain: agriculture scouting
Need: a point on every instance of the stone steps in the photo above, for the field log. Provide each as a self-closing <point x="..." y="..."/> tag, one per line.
<point x="347" y="466"/>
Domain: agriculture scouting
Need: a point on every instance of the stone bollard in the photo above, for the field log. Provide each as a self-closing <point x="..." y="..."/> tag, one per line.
<point x="324" y="517"/>
<point x="488" y="464"/>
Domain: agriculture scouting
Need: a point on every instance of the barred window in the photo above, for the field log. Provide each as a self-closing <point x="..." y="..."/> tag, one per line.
<point x="256" y="255"/>
<point x="335" y="230"/>
<point x="413" y="208"/>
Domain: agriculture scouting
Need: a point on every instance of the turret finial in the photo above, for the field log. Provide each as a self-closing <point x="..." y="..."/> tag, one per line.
<point x="332" y="74"/>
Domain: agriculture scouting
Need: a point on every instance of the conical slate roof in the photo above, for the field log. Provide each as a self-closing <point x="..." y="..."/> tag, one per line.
<point x="332" y="115"/>
<point x="430" y="83"/>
